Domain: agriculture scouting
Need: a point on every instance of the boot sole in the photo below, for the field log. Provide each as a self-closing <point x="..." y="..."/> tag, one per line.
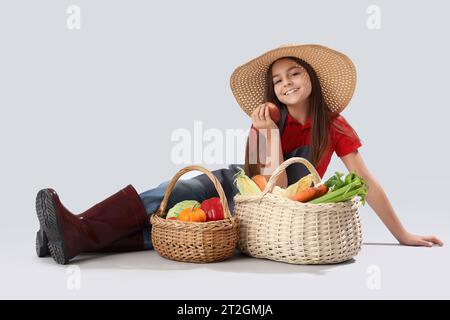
<point x="42" y="244"/>
<point x="46" y="212"/>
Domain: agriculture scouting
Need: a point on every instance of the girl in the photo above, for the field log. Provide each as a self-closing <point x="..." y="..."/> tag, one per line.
<point x="310" y="85"/>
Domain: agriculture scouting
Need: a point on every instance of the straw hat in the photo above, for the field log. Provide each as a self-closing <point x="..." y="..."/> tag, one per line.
<point x="336" y="73"/>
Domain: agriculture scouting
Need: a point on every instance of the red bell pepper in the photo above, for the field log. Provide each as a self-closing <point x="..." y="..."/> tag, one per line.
<point x="213" y="209"/>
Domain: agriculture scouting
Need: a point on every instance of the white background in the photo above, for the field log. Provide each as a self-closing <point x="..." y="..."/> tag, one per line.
<point x="89" y="111"/>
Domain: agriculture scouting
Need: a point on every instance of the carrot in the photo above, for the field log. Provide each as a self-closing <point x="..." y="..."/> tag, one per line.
<point x="260" y="181"/>
<point x="305" y="195"/>
<point x="320" y="191"/>
<point x="310" y="193"/>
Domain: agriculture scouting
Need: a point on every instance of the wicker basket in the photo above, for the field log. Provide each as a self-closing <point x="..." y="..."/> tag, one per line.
<point x="277" y="228"/>
<point x="198" y="242"/>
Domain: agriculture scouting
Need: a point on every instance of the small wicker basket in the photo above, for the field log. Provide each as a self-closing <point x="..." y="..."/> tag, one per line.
<point x="198" y="242"/>
<point x="277" y="228"/>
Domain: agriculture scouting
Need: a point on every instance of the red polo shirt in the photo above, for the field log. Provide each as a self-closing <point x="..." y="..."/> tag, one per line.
<point x="296" y="135"/>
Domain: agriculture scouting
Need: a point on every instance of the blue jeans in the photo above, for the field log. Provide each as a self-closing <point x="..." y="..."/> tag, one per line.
<point x="197" y="188"/>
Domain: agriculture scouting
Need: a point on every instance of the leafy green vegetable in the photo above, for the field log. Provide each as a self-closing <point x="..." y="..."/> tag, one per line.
<point x="335" y="182"/>
<point x="180" y="206"/>
<point x="350" y="177"/>
<point x="341" y="190"/>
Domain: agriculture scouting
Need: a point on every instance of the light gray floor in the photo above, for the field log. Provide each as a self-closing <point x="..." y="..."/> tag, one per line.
<point x="381" y="270"/>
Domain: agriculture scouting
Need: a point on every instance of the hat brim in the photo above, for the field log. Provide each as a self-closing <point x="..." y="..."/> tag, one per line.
<point x="336" y="73"/>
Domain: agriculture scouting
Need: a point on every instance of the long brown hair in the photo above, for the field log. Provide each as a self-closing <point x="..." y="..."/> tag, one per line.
<point x="321" y="119"/>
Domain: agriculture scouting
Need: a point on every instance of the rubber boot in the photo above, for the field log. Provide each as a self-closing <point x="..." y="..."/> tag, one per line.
<point x="134" y="242"/>
<point x="115" y="218"/>
<point x="42" y="244"/>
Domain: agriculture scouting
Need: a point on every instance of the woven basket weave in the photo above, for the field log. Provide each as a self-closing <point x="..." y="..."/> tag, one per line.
<point x="198" y="242"/>
<point x="277" y="228"/>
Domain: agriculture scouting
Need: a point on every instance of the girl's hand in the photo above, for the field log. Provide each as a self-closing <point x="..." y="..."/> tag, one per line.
<point x="261" y="118"/>
<point x="416" y="240"/>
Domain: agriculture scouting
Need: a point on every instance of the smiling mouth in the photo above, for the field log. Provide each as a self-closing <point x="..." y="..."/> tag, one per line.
<point x="291" y="91"/>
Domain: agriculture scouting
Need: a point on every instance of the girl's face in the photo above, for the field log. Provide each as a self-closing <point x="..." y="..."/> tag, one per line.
<point x="291" y="82"/>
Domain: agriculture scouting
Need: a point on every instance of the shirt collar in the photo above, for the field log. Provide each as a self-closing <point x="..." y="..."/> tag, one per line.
<point x="292" y="120"/>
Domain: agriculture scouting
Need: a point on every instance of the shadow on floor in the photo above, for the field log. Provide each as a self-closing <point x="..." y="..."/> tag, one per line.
<point x="381" y="244"/>
<point x="238" y="263"/>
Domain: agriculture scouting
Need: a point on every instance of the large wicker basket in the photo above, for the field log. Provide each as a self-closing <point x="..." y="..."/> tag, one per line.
<point x="277" y="228"/>
<point x="198" y="242"/>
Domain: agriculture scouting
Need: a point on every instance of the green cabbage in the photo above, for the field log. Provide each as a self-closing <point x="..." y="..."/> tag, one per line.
<point x="180" y="206"/>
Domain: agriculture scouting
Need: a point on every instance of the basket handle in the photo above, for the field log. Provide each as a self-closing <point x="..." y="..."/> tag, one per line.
<point x="276" y="174"/>
<point x="212" y="177"/>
